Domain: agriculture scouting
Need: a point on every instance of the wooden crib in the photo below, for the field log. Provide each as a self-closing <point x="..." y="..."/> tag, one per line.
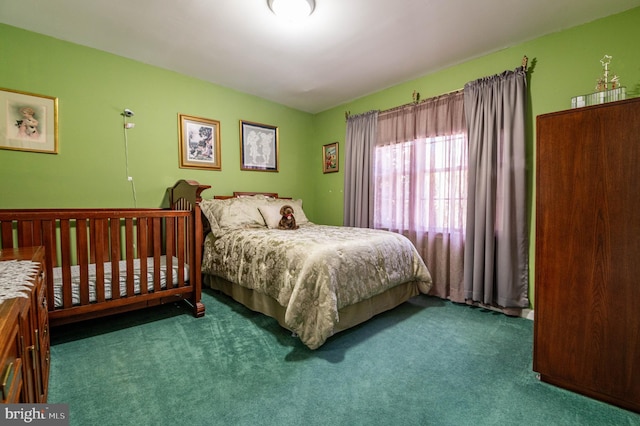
<point x="105" y="261"/>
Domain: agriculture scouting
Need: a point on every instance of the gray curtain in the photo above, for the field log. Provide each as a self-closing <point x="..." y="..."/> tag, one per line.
<point x="358" y="189"/>
<point x="496" y="247"/>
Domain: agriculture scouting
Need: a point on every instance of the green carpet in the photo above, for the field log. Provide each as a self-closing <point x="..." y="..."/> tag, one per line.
<point x="427" y="362"/>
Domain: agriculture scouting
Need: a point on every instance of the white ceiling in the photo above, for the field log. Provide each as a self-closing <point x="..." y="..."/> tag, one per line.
<point x="346" y="49"/>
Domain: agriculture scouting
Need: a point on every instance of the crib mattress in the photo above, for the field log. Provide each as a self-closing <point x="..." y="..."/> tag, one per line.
<point x="75" y="279"/>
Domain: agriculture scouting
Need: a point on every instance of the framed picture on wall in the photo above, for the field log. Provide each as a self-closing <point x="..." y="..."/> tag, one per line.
<point x="258" y="147"/>
<point x="199" y="143"/>
<point x="330" y="158"/>
<point x="28" y="122"/>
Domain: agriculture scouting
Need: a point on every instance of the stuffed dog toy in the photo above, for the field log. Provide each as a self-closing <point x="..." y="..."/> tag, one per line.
<point x="287" y="221"/>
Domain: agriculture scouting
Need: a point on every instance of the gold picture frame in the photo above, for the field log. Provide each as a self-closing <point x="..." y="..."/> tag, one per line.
<point x="28" y="122"/>
<point x="259" y="150"/>
<point x="199" y="143"/>
<point x="330" y="160"/>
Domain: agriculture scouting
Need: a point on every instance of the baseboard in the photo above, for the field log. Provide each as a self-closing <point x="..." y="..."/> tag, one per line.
<point x="525" y="313"/>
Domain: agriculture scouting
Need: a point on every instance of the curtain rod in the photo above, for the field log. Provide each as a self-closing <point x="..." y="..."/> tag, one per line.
<point x="416" y="101"/>
<point x="416" y="95"/>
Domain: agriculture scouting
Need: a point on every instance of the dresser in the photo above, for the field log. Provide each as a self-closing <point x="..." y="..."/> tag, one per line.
<point x="587" y="255"/>
<point x="24" y="332"/>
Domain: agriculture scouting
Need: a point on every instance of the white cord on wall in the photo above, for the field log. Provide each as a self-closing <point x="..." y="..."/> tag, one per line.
<point x="128" y="126"/>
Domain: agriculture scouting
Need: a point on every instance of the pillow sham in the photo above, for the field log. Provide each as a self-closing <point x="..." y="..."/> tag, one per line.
<point x="208" y="208"/>
<point x="233" y="213"/>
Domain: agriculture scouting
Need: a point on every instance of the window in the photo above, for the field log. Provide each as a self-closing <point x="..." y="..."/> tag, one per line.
<point x="421" y="185"/>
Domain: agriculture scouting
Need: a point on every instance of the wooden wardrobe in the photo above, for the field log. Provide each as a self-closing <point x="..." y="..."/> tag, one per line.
<point x="587" y="256"/>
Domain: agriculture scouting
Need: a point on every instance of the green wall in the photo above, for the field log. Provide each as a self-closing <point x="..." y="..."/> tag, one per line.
<point x="561" y="65"/>
<point x="93" y="87"/>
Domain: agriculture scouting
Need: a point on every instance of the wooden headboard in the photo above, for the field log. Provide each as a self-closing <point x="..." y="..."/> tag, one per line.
<point x="237" y="194"/>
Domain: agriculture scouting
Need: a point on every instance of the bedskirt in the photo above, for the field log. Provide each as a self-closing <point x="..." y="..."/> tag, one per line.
<point x="349" y="316"/>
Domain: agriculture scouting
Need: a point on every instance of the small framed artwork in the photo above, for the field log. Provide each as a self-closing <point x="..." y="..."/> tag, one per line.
<point x="199" y="143"/>
<point x="258" y="147"/>
<point x="28" y="122"/>
<point x="330" y="158"/>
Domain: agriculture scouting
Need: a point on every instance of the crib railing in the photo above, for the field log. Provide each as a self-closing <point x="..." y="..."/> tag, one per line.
<point x="104" y="239"/>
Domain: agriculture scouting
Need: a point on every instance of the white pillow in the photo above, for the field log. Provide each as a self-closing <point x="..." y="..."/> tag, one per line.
<point x="271" y="211"/>
<point x="271" y="215"/>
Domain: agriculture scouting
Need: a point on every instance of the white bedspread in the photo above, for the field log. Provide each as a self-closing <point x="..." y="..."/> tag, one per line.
<point x="315" y="270"/>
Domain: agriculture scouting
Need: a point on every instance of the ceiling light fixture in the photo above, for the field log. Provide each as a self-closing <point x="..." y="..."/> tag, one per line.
<point x="292" y="9"/>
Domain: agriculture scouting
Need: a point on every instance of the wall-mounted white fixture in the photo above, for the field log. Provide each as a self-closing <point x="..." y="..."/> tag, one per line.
<point x="292" y="9"/>
<point x="127" y="113"/>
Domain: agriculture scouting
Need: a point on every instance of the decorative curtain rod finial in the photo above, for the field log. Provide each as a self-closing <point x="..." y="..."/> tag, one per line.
<point x="525" y="61"/>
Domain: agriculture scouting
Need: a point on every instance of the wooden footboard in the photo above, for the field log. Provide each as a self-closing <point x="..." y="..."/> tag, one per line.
<point x="104" y="261"/>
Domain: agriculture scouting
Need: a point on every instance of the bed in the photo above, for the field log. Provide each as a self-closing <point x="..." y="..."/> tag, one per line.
<point x="105" y="261"/>
<point x="316" y="280"/>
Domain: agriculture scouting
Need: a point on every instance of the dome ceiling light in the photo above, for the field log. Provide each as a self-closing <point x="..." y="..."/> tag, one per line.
<point x="292" y="9"/>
